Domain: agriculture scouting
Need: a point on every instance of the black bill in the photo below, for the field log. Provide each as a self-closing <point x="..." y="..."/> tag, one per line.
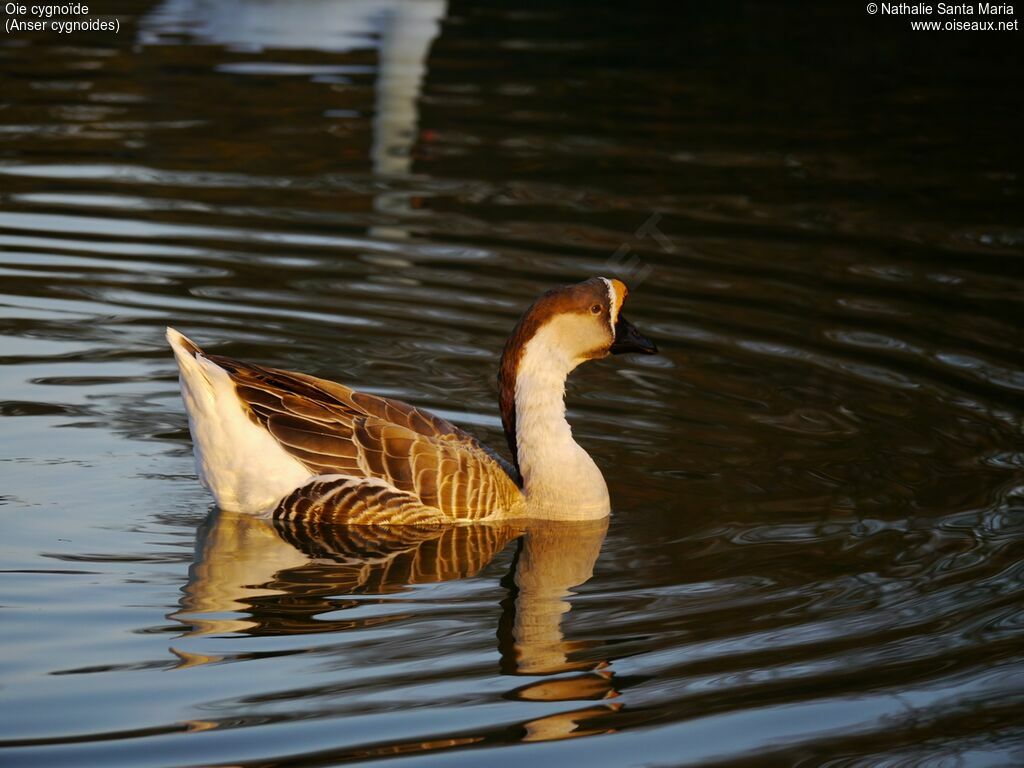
<point x="629" y="339"/>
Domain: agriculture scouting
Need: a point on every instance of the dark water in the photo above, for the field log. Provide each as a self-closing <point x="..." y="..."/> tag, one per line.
<point x="818" y="487"/>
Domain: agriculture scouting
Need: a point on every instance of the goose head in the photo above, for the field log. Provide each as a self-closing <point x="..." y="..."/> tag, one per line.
<point x="576" y="323"/>
<point x="563" y="328"/>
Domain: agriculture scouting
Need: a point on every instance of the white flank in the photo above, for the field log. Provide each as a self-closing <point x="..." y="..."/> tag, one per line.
<point x="240" y="462"/>
<point x="560" y="480"/>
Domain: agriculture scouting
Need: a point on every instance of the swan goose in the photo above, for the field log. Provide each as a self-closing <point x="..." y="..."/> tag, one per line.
<point x="293" y="446"/>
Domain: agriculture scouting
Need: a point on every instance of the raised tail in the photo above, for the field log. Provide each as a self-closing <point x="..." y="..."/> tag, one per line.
<point x="181" y="344"/>
<point x="239" y="461"/>
<point x="195" y="383"/>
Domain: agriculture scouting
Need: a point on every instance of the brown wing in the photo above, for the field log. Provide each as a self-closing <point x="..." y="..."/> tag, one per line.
<point x="355" y="501"/>
<point x="334" y="430"/>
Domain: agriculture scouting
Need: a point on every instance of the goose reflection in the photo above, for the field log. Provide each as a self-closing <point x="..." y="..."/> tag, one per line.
<point x="259" y="578"/>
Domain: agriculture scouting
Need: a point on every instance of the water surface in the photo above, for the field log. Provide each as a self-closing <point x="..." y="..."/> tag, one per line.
<point x="818" y="487"/>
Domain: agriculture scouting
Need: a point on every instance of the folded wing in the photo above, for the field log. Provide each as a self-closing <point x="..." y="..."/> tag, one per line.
<point x="333" y="430"/>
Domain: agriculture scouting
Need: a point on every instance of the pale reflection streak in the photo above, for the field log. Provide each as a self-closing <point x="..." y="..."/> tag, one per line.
<point x="552" y="559"/>
<point x="401" y="31"/>
<point x="246" y="569"/>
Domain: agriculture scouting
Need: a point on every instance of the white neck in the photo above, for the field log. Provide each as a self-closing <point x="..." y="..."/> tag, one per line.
<point x="560" y="480"/>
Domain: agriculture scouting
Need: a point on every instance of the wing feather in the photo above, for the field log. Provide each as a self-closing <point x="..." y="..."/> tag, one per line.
<point x="355" y="501"/>
<point x="425" y="461"/>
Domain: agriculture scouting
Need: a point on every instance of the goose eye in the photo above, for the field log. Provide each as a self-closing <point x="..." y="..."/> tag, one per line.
<point x="596" y="309"/>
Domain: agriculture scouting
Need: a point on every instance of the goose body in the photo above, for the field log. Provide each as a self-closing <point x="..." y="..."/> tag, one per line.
<point x="293" y="446"/>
